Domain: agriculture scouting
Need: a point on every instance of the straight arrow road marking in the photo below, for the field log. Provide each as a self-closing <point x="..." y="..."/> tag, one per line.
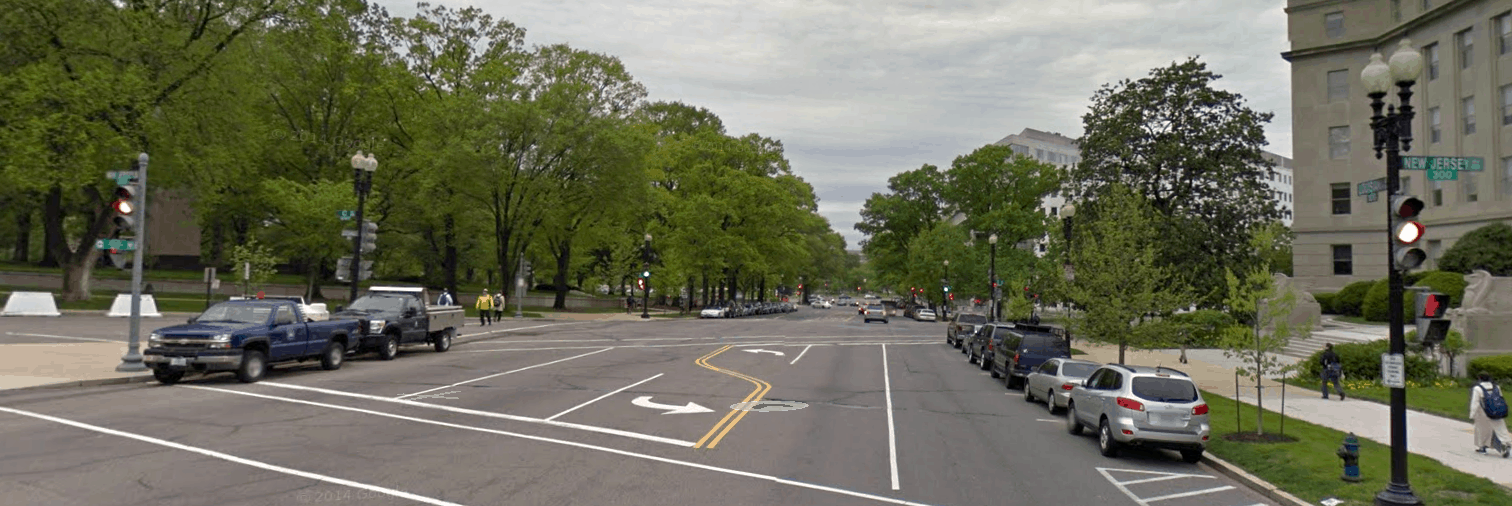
<point x="777" y="353"/>
<point x="672" y="409"/>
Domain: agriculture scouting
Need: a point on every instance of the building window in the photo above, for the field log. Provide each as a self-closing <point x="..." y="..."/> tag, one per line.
<point x="1054" y="211"/>
<point x="1503" y="34"/>
<point x="1506" y="104"/>
<point x="1343" y="258"/>
<point x="1396" y="11"/>
<point x="1340" y="193"/>
<point x="1039" y="154"/>
<point x="1333" y="24"/>
<point x="1506" y="179"/>
<point x="1466" y="42"/>
<point x="1431" y="51"/>
<point x="1435" y="125"/>
<point x="1469" y="111"/>
<point x="1338" y="85"/>
<point x="1472" y="192"/>
<point x="1438" y="193"/>
<point x="1338" y="142"/>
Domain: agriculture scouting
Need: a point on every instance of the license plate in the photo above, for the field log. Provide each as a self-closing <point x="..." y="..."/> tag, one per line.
<point x="178" y="361"/>
<point x="1166" y="420"/>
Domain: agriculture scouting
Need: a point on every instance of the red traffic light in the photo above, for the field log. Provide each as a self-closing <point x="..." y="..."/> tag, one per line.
<point x="1409" y="232"/>
<point x="1406" y="206"/>
<point x="123" y="206"/>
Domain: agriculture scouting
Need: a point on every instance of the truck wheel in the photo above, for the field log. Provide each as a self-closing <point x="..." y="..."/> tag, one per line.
<point x="253" y="367"/>
<point x="167" y="377"/>
<point x="390" y="347"/>
<point x="444" y="340"/>
<point x="331" y="358"/>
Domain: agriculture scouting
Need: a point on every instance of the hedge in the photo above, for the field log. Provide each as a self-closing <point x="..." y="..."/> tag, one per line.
<point x="1499" y="366"/>
<point x="1450" y="283"/>
<point x="1326" y="302"/>
<point x="1363" y="361"/>
<point x="1352" y="297"/>
<point x="1375" y="307"/>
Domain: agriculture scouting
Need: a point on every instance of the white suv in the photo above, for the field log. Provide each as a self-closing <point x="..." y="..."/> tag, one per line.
<point x="1154" y="407"/>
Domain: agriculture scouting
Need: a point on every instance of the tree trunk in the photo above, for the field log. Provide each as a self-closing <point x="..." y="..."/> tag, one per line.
<point x="312" y="281"/>
<point x="688" y="301"/>
<point x="53" y="242"/>
<point x="22" y="252"/>
<point x="705" y="293"/>
<point x="1123" y="344"/>
<point x="763" y="289"/>
<point x="563" y="262"/>
<point x="78" y="261"/>
<point x="450" y="257"/>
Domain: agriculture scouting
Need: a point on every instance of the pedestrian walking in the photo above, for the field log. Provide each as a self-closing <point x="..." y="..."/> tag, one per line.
<point x="445" y="299"/>
<point x="1488" y="409"/>
<point x="1333" y="370"/>
<point x="498" y="306"/>
<point x="484" y="306"/>
<point x="629" y="304"/>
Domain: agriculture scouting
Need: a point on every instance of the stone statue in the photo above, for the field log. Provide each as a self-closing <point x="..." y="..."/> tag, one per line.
<point x="1283" y="283"/>
<point x="1477" y="291"/>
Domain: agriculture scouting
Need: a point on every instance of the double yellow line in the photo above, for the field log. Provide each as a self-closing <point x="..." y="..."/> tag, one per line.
<point x="762" y="388"/>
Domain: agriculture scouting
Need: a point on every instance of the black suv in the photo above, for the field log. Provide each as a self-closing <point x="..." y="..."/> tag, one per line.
<point x="979" y="346"/>
<point x="1018" y="351"/>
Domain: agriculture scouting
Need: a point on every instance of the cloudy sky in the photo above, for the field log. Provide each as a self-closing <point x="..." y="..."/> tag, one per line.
<point x="858" y="91"/>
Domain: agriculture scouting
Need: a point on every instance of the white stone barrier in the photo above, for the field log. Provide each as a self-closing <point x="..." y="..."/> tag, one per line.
<point x="31" y="304"/>
<point x="121" y="308"/>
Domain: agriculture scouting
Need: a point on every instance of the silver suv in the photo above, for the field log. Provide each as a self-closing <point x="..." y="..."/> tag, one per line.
<point x="1153" y="407"/>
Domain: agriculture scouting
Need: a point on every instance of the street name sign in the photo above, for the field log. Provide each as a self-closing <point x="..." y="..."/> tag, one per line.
<point x="116" y="244"/>
<point x="1454" y="163"/>
<point x="1372" y="186"/>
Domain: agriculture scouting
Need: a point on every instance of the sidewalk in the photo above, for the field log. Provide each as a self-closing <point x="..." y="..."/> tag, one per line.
<point x="1445" y="440"/>
<point x="53" y="365"/>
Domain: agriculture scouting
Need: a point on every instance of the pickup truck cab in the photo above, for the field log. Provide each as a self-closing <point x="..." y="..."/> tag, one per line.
<point x="246" y="336"/>
<point x="397" y="316"/>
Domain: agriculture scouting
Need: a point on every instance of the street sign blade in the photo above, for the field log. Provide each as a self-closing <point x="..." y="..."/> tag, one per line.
<point x="1443" y="175"/>
<point x="1453" y="163"/>
<point x="1373" y="197"/>
<point x="1372" y="186"/>
<point x="349" y="233"/>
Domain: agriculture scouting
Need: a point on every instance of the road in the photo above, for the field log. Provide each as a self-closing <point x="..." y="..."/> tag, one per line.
<point x="626" y="413"/>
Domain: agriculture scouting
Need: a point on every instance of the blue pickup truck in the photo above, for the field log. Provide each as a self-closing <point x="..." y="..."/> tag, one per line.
<point x="245" y="336"/>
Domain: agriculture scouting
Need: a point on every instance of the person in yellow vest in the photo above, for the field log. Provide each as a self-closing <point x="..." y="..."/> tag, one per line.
<point x="484" y="306"/>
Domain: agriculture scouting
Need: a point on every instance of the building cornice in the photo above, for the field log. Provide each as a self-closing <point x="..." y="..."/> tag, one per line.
<point x="1314" y="5"/>
<point x="1422" y="19"/>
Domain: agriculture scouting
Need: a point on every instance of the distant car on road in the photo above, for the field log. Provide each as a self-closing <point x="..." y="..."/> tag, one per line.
<point x="1152" y="407"/>
<point x="924" y="315"/>
<point x="874" y="312"/>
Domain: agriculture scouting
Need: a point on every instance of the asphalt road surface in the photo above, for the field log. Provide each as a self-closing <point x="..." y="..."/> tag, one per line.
<point x="813" y="407"/>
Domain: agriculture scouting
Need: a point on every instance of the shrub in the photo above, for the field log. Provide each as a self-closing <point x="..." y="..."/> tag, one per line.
<point x="1352" y="297"/>
<point x="1483" y="248"/>
<point x="1326" y="302"/>
<point x="1412" y="278"/>
<point x="1450" y="283"/>
<point x="1362" y="361"/>
<point x="1498" y="366"/>
<point x="1375" y="307"/>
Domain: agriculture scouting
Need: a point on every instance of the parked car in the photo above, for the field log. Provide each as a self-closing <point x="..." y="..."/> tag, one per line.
<point x="1053" y="380"/>
<point x="961" y="321"/>
<point x="1024" y="348"/>
<point x="1153" y="407"/>
<point x="979" y="346"/>
<point x="398" y="315"/>
<point x="874" y="312"/>
<point x="924" y="315"/>
<point x="714" y="311"/>
<point x="246" y="336"/>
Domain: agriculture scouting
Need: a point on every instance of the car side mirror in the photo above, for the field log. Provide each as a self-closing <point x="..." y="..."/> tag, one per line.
<point x="1086" y="383"/>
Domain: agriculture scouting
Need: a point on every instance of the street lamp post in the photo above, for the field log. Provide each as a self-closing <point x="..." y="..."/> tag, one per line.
<point x="945" y="292"/>
<point x="1068" y="211"/>
<point x="992" y="273"/>
<point x="646" y="292"/>
<point x="1393" y="134"/>
<point x="362" y="182"/>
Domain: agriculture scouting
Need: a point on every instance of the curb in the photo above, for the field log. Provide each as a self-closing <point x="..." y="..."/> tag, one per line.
<point x="83" y="383"/>
<point x="1265" y="488"/>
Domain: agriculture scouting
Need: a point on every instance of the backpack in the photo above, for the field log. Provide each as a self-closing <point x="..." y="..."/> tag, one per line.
<point x="1493" y="402"/>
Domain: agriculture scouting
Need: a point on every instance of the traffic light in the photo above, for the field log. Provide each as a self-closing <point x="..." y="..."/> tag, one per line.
<point x="369" y="236"/>
<point x="947" y="288"/>
<point x="1432" y="327"/>
<point x="1407" y="232"/>
<point x="640" y="283"/>
<point x="126" y="203"/>
<point x="645" y="274"/>
<point x="952" y="296"/>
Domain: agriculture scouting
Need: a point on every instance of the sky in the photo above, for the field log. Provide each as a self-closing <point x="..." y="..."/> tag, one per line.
<point x="859" y="91"/>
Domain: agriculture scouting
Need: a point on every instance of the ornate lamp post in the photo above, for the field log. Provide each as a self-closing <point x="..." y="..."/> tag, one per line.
<point x="1393" y="134"/>
<point x="995" y="312"/>
<point x="1068" y="211"/>
<point x="646" y="292"/>
<point x="363" y="167"/>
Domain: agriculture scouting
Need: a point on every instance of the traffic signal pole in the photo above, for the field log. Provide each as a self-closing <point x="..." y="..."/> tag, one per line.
<point x="132" y="361"/>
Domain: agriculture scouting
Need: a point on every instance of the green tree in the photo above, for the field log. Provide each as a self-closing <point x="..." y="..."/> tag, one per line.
<point x="915" y="203"/>
<point x="1194" y="152"/>
<point x="256" y="259"/>
<point x="1488" y="247"/>
<point x="1257" y="300"/>
<point x="1119" y="278"/>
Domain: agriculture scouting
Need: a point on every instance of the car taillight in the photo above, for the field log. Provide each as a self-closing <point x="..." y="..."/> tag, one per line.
<point x="1201" y="409"/>
<point x="1067" y="386"/>
<point x="1125" y="402"/>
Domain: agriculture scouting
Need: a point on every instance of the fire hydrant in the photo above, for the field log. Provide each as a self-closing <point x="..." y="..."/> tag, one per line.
<point x="1350" y="452"/>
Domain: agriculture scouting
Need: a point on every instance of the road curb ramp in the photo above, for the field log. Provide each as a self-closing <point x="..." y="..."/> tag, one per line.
<point x="122" y="306"/>
<point x="1265" y="488"/>
<point x="31" y="304"/>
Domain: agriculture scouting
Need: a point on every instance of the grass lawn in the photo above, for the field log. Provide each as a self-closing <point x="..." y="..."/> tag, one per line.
<point x="1309" y="469"/>
<point x="1446" y="398"/>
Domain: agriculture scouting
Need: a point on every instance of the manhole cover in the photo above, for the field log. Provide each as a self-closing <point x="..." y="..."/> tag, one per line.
<point x="768" y="405"/>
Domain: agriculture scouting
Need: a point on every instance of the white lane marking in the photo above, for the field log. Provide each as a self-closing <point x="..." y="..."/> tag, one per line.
<point x="503" y="373"/>
<point x="777" y="353"/>
<point x="1189" y="494"/>
<point x="67" y="337"/>
<point x="586" y="446"/>
<point x="800" y="354"/>
<point x="500" y="331"/>
<point x="892" y="436"/>
<point x="1122" y="486"/>
<point x="465" y="411"/>
<point x="233" y="458"/>
<point x="1162" y="478"/>
<point x="601" y="397"/>
<point x="1047" y="420"/>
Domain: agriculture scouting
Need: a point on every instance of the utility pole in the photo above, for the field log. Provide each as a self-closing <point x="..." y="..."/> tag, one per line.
<point x="137" y="204"/>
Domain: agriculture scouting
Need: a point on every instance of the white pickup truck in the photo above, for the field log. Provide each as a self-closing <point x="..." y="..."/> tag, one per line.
<point x="313" y="312"/>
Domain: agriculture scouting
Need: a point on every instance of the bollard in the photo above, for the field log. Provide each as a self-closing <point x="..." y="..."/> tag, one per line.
<point x="1350" y="452"/>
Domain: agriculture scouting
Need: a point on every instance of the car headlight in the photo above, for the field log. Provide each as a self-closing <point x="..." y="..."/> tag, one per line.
<point x="154" y="339"/>
<point x="221" y="338"/>
<point x="376" y="326"/>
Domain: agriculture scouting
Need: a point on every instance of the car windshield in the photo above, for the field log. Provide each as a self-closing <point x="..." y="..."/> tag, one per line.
<point x="378" y="303"/>
<point x="1076" y="370"/>
<point x="236" y="313"/>
<point x="1160" y="389"/>
<point x="971" y="319"/>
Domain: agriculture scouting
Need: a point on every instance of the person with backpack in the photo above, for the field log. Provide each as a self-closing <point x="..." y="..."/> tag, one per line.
<point x="1332" y="370"/>
<point x="498" y="306"/>
<point x="1488" y="409"/>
